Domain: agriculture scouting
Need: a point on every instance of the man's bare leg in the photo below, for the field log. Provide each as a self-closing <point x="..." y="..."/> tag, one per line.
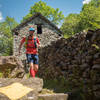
<point x="36" y="67"/>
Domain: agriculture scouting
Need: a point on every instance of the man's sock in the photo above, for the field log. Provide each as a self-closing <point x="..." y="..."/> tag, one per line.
<point x="32" y="72"/>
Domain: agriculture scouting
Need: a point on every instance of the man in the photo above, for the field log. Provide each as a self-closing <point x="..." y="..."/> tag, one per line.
<point x="32" y="45"/>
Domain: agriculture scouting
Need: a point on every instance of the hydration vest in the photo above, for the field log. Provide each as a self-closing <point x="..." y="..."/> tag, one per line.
<point x="34" y="40"/>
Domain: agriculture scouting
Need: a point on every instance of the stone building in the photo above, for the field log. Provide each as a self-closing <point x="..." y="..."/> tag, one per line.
<point x="46" y="31"/>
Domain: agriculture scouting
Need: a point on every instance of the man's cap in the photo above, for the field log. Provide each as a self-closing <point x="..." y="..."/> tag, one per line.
<point x="31" y="29"/>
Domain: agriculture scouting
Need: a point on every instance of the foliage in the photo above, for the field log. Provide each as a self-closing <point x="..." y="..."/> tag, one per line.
<point x="53" y="84"/>
<point x="46" y="91"/>
<point x="5" y="73"/>
<point x="6" y="36"/>
<point x="89" y="18"/>
<point x="75" y="85"/>
<point x="70" y="25"/>
<point x="96" y="46"/>
<point x="40" y="99"/>
<point x="1" y="75"/>
<point x="54" y="15"/>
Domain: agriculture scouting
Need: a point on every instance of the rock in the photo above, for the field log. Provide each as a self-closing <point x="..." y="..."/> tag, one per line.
<point x="97" y="61"/>
<point x="96" y="66"/>
<point x="13" y="65"/>
<point x="97" y="94"/>
<point x="7" y="60"/>
<point x="36" y="84"/>
<point x="58" y="96"/>
<point x="97" y="55"/>
<point x="3" y="97"/>
<point x="96" y="36"/>
<point x="89" y="35"/>
<point x="10" y="60"/>
<point x="96" y="87"/>
<point x="84" y="66"/>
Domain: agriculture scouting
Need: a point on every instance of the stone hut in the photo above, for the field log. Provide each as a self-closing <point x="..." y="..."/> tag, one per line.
<point x="46" y="31"/>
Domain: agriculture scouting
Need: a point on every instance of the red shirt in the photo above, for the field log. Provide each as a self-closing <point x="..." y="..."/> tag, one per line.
<point x="30" y="43"/>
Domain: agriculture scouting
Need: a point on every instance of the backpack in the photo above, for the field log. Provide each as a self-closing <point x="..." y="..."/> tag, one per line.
<point x="35" y="42"/>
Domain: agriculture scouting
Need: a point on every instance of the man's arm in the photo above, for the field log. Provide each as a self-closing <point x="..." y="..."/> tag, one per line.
<point x="38" y="43"/>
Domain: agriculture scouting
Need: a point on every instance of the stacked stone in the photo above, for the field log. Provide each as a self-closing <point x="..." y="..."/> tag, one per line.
<point x="81" y="51"/>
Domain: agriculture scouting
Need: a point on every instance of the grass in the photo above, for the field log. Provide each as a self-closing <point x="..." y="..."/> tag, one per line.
<point x="1" y="74"/>
<point x="66" y="36"/>
<point x="47" y="91"/>
<point x="57" y="85"/>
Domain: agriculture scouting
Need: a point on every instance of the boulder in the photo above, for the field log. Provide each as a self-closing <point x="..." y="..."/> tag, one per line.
<point x="11" y="67"/>
<point x="57" y="96"/>
<point x="36" y="84"/>
<point x="96" y="66"/>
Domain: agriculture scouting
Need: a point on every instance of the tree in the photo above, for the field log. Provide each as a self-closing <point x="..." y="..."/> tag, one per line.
<point x="89" y="18"/>
<point x="52" y="14"/>
<point x="11" y="23"/>
<point x="6" y="36"/>
<point x="70" y="25"/>
<point x="95" y="3"/>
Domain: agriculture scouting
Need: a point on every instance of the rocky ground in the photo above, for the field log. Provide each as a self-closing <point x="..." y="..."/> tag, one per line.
<point x="36" y="84"/>
<point x="37" y="92"/>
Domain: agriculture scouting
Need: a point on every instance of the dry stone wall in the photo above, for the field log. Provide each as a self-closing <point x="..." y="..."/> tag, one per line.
<point x="81" y="52"/>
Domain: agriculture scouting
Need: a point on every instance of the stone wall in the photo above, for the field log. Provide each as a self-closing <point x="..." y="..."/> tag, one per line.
<point x="48" y="35"/>
<point x="77" y="57"/>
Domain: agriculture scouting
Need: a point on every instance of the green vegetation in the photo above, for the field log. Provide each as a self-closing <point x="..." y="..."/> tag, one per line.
<point x="70" y="25"/>
<point x="57" y="85"/>
<point x="96" y="46"/>
<point x="40" y="99"/>
<point x="46" y="91"/>
<point x="89" y="18"/>
<point x="1" y="74"/>
<point x="75" y="84"/>
<point x="6" y="36"/>
<point x="54" y="15"/>
<point x="5" y="73"/>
